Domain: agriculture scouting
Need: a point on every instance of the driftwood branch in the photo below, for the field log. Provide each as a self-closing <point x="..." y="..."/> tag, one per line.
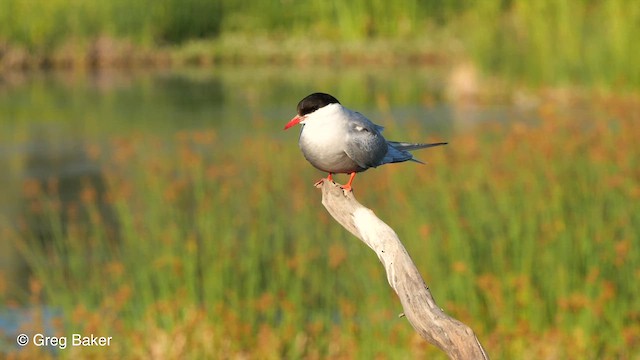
<point x="453" y="337"/>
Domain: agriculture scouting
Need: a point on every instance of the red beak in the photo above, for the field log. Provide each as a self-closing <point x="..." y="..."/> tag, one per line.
<point x="293" y="122"/>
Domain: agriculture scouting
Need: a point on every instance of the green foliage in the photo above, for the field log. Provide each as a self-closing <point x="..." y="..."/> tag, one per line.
<point x="42" y="25"/>
<point x="538" y="42"/>
<point x="558" y="42"/>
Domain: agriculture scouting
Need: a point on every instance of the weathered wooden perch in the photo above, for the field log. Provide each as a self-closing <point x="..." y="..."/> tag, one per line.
<point x="453" y="337"/>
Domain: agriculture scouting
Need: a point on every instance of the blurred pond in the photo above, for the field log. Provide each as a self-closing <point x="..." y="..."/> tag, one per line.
<point x="92" y="105"/>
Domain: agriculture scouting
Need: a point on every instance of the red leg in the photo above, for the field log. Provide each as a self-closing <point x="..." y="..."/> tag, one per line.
<point x="348" y="186"/>
<point x="330" y="177"/>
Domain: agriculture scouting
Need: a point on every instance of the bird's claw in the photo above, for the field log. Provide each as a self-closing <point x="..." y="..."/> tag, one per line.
<point x="346" y="189"/>
<point x="321" y="181"/>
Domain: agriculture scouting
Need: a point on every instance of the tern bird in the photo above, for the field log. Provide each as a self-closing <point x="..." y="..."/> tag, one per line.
<point x="335" y="139"/>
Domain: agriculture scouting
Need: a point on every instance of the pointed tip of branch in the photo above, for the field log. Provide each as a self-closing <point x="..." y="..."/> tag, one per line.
<point x="332" y="186"/>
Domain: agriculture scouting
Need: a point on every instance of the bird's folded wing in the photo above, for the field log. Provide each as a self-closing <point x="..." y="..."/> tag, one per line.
<point x="412" y="146"/>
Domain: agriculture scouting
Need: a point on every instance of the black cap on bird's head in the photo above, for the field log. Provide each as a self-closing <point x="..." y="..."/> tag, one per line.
<point x="314" y="102"/>
<point x="310" y="104"/>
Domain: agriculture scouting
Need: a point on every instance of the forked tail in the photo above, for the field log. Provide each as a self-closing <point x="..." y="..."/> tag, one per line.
<point x="399" y="151"/>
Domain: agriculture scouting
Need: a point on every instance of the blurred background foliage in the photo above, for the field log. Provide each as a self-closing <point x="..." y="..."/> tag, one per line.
<point x="541" y="42"/>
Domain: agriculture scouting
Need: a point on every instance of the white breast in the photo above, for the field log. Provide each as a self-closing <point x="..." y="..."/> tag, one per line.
<point x="323" y="140"/>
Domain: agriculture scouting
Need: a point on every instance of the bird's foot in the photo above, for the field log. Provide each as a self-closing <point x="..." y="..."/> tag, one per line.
<point x="346" y="189"/>
<point x="321" y="181"/>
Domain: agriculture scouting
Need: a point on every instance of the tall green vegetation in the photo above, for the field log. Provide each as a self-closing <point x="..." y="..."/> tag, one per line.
<point x="540" y="42"/>
<point x="42" y="25"/>
<point x="588" y="42"/>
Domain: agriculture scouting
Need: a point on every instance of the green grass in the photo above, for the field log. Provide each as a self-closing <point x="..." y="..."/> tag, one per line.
<point x="561" y="42"/>
<point x="582" y="42"/>
<point x="526" y="232"/>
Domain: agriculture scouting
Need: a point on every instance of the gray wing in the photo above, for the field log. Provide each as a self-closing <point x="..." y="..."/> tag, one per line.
<point x="365" y="146"/>
<point x="363" y="121"/>
<point x="413" y="146"/>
